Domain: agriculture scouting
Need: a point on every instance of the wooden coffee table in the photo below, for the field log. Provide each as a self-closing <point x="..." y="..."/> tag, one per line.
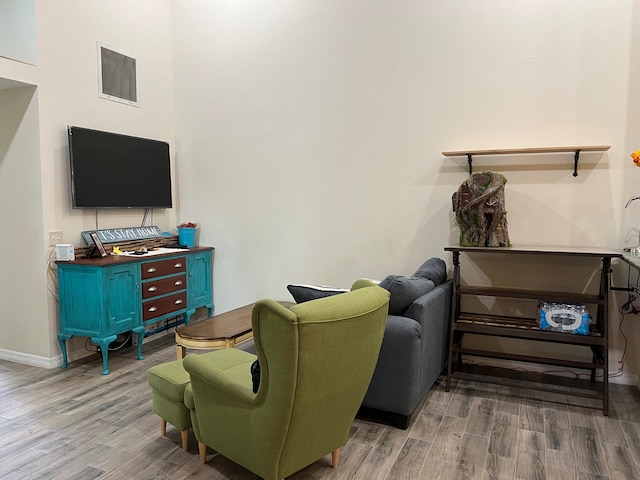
<point x="220" y="331"/>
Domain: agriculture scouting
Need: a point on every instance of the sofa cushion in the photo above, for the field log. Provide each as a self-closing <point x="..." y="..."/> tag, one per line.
<point x="304" y="293"/>
<point x="434" y="269"/>
<point x="404" y="291"/>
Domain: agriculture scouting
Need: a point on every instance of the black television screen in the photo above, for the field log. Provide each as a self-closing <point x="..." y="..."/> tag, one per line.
<point x="109" y="170"/>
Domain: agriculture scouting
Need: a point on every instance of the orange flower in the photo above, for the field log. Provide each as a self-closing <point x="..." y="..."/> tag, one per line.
<point x="636" y="157"/>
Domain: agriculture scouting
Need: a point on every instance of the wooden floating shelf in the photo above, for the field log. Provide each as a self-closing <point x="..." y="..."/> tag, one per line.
<point x="524" y="151"/>
<point x="576" y="149"/>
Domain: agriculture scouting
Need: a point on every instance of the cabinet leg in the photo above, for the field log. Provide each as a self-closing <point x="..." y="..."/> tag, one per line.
<point x="104" y="348"/>
<point x="140" y="332"/>
<point x="62" y="340"/>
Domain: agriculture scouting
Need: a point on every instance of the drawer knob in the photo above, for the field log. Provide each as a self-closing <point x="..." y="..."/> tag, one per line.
<point x="151" y="269"/>
<point x="178" y="301"/>
<point x="178" y="265"/>
<point x="152" y="289"/>
<point x="152" y="309"/>
<point x="178" y="282"/>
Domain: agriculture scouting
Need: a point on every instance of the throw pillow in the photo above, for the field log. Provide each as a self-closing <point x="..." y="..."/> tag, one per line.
<point x="403" y="291"/>
<point x="304" y="293"/>
<point x="434" y="269"/>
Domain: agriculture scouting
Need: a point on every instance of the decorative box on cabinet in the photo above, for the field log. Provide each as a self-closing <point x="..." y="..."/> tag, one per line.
<point x="101" y="298"/>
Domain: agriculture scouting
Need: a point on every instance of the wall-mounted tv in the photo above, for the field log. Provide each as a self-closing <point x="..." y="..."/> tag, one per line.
<point x="110" y="170"/>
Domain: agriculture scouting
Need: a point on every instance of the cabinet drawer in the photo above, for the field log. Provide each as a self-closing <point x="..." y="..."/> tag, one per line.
<point x="161" y="306"/>
<point x="163" y="267"/>
<point x="153" y="288"/>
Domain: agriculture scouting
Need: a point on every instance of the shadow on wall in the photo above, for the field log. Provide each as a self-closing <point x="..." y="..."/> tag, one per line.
<point x="14" y="103"/>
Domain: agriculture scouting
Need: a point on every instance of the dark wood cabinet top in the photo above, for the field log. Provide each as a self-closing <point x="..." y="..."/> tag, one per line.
<point x="119" y="259"/>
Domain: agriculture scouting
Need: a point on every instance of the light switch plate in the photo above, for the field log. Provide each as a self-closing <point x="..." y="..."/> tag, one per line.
<point x="55" y="237"/>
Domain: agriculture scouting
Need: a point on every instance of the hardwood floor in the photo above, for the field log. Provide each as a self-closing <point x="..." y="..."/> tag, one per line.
<point x="78" y="424"/>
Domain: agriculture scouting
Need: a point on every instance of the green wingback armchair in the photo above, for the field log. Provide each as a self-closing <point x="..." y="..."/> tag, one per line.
<point x="316" y="362"/>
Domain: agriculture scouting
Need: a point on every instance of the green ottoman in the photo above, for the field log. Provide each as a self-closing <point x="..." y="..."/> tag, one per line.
<point x="168" y="382"/>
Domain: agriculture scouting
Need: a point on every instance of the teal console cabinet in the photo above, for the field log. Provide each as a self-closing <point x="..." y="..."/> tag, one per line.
<point x="101" y="298"/>
<point x="199" y="279"/>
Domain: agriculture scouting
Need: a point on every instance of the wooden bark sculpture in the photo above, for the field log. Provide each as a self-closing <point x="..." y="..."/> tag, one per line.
<point x="480" y="211"/>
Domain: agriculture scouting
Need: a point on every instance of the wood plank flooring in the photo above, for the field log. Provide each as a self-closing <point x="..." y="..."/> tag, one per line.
<point x="78" y="424"/>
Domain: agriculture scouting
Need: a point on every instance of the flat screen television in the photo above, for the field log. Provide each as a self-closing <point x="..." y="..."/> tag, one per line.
<point x="110" y="170"/>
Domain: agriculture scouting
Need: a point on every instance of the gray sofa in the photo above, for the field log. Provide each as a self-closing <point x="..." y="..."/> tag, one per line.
<point x="414" y="348"/>
<point x="414" y="353"/>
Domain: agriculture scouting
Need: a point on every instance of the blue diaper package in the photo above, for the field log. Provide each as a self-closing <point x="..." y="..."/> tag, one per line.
<point x="564" y="317"/>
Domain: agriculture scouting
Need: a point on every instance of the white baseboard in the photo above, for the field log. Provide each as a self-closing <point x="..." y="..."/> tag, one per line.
<point x="625" y="379"/>
<point x="54" y="362"/>
<point x="49" y="363"/>
<point x="29" y="359"/>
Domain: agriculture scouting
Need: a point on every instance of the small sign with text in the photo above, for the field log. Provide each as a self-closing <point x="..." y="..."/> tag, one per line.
<point x="112" y="235"/>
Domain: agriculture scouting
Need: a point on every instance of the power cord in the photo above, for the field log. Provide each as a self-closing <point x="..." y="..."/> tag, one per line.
<point x="121" y="341"/>
<point x="626" y="308"/>
<point x="51" y="271"/>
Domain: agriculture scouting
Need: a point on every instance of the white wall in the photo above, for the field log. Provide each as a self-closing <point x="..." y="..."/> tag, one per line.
<point x="23" y="314"/>
<point x="631" y="187"/>
<point x="309" y="134"/>
<point x="18" y="30"/>
<point x="67" y="94"/>
<point x="68" y="33"/>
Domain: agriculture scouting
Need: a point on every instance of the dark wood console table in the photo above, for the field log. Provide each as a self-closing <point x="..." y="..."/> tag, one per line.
<point x="527" y="328"/>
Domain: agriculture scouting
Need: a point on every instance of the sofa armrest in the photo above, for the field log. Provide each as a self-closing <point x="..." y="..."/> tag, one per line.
<point x="413" y="353"/>
<point x="433" y="312"/>
<point x="433" y="305"/>
<point x="393" y="385"/>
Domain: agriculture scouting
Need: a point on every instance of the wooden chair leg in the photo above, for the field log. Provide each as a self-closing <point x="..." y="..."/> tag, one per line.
<point x="185" y="439"/>
<point x="163" y="426"/>
<point x="202" y="449"/>
<point x="335" y="455"/>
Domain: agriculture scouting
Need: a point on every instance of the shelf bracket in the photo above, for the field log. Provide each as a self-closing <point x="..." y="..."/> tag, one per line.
<point x="576" y="157"/>
<point x="470" y="162"/>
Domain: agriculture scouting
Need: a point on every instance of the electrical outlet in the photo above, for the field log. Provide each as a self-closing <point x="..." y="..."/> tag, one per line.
<point x="55" y="237"/>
